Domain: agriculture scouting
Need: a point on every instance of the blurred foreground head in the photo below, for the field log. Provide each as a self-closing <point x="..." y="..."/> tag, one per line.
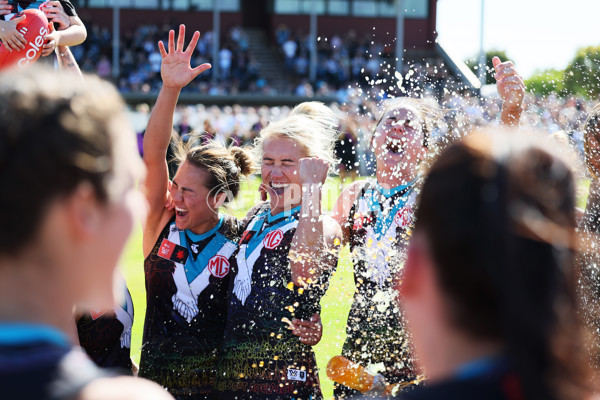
<point x="67" y="168"/>
<point x="491" y="262"/>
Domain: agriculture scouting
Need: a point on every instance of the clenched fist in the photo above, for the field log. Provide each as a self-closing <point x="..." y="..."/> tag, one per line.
<point x="312" y="171"/>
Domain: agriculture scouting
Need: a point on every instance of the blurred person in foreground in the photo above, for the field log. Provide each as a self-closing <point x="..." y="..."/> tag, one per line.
<point x="488" y="286"/>
<point x="589" y="227"/>
<point x="65" y="159"/>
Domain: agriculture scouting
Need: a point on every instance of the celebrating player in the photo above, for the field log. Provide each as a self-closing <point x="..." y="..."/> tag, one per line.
<point x="376" y="217"/>
<point x="281" y="269"/>
<point x="187" y="245"/>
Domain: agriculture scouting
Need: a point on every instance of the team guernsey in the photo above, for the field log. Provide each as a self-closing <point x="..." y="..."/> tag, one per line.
<point x="187" y="277"/>
<point x="261" y="358"/>
<point x="380" y="221"/>
<point x="106" y="336"/>
<point x="37" y="362"/>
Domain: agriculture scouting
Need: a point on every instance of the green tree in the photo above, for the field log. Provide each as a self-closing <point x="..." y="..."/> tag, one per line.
<point x="546" y="82"/>
<point x="473" y="63"/>
<point x="582" y="75"/>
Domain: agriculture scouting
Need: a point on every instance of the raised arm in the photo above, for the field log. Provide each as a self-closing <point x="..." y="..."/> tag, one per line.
<point x="67" y="62"/>
<point x="318" y="237"/>
<point x="511" y="90"/>
<point x="176" y="73"/>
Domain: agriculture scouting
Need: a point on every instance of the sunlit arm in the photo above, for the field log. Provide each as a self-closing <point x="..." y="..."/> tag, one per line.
<point x="316" y="241"/>
<point x="72" y="36"/>
<point x="67" y="62"/>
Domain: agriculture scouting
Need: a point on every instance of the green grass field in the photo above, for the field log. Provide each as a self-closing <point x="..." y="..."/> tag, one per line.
<point x="335" y="304"/>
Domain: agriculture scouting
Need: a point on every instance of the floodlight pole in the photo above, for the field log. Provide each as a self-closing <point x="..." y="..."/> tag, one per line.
<point x="313" y="42"/>
<point x="482" y="57"/>
<point x="399" y="35"/>
<point x="216" y="40"/>
<point x="115" y="39"/>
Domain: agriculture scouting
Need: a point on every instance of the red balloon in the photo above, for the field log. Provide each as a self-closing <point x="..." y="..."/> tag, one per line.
<point x="34" y="28"/>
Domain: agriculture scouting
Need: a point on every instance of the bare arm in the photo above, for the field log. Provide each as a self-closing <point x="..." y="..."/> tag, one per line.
<point x="511" y="90"/>
<point x="176" y="73"/>
<point x="67" y="62"/>
<point x="72" y="36"/>
<point x="317" y="237"/>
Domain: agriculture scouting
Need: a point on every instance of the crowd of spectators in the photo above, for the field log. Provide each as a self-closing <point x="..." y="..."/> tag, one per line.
<point x="139" y="60"/>
<point x="350" y="59"/>
<point x="342" y="60"/>
<point x="240" y="124"/>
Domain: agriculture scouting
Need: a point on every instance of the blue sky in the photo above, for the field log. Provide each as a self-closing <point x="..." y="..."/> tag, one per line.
<point x="537" y="34"/>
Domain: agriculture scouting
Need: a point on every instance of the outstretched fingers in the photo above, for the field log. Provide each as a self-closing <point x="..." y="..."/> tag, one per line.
<point x="171" y="41"/>
<point x="161" y="48"/>
<point x="181" y="38"/>
<point x="193" y="43"/>
<point x="200" y="69"/>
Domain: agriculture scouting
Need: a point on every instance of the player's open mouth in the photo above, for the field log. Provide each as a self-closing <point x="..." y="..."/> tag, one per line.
<point x="181" y="212"/>
<point x="278" y="188"/>
<point x="394" y="145"/>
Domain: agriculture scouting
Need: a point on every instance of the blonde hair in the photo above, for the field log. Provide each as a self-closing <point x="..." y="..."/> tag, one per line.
<point x="312" y="125"/>
<point x="318" y="112"/>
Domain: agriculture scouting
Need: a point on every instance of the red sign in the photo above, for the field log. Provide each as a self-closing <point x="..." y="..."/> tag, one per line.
<point x="404" y="217"/>
<point x="97" y="314"/>
<point x="218" y="266"/>
<point x="273" y="239"/>
<point x="166" y="249"/>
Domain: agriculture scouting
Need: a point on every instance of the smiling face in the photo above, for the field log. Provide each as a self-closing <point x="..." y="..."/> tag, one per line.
<point x="279" y="170"/>
<point x="195" y="205"/>
<point x="398" y="143"/>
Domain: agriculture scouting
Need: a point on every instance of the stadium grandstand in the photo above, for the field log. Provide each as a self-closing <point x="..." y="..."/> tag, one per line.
<point x="262" y="51"/>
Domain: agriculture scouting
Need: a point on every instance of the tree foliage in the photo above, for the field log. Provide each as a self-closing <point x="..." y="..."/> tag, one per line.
<point x="546" y="82"/>
<point x="582" y="75"/>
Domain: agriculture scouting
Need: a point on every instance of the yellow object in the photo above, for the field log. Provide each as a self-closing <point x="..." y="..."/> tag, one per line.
<point x="347" y="373"/>
<point x="355" y="376"/>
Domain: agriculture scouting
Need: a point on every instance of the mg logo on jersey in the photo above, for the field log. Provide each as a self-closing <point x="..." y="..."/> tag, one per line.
<point x="273" y="239"/>
<point x="404" y="217"/>
<point x="218" y="266"/>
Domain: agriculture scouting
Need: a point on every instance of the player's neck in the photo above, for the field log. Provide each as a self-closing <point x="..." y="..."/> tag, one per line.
<point x="390" y="180"/>
<point x="452" y="351"/>
<point x="29" y="296"/>
<point x="207" y="225"/>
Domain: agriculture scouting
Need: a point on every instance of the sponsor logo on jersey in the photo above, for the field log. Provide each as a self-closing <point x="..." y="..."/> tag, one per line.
<point x="194" y="248"/>
<point x="246" y="236"/>
<point x="404" y="217"/>
<point x="273" y="239"/>
<point x="218" y="266"/>
<point x="96" y="314"/>
<point x="296" y="375"/>
<point x="172" y="251"/>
